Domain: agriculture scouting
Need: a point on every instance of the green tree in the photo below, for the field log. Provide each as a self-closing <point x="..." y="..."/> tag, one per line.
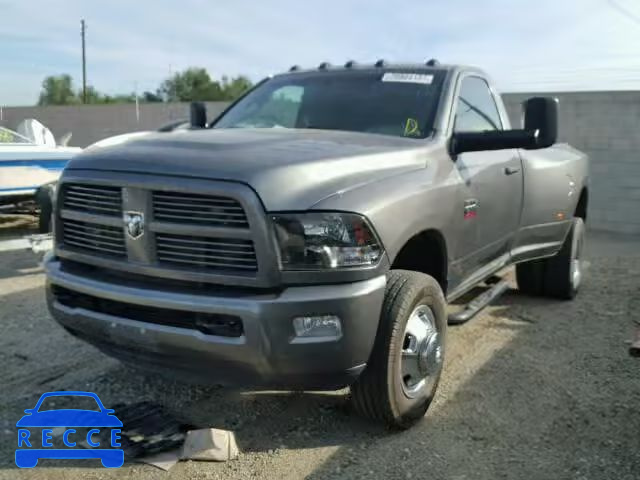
<point x="194" y="84"/>
<point x="233" y="88"/>
<point x="57" y="90"/>
<point x="93" y="95"/>
<point x="151" y="97"/>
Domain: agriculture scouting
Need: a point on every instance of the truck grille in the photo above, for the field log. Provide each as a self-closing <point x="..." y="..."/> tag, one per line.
<point x="176" y="207"/>
<point x="95" y="199"/>
<point x="194" y="235"/>
<point x="206" y="252"/>
<point x="94" y="238"/>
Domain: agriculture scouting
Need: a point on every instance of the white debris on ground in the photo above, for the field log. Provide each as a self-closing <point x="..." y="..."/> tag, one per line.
<point x="206" y="444"/>
<point x="211" y="444"/>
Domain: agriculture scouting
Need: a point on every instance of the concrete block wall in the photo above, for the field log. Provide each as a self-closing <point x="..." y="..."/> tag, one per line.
<point x="605" y="125"/>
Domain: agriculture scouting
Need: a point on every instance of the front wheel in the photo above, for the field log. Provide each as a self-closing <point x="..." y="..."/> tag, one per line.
<point x="404" y="369"/>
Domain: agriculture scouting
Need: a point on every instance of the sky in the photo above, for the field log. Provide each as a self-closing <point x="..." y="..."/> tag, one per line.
<point x="525" y="45"/>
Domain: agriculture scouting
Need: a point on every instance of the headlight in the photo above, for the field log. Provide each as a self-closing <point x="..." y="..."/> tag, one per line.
<point x="325" y="241"/>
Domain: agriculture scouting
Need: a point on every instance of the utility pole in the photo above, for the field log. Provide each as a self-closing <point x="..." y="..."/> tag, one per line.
<point x="84" y="63"/>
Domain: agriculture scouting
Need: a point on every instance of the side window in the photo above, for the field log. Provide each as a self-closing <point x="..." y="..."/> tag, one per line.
<point x="476" y="110"/>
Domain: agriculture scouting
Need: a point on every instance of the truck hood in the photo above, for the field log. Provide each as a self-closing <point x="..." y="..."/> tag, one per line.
<point x="289" y="169"/>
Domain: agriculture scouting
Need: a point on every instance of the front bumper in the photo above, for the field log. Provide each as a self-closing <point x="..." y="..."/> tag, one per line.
<point x="264" y="355"/>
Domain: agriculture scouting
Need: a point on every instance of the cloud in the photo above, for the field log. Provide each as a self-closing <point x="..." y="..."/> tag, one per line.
<point x="524" y="45"/>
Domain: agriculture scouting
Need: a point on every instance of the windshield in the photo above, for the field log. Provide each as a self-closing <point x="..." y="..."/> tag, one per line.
<point x="396" y="103"/>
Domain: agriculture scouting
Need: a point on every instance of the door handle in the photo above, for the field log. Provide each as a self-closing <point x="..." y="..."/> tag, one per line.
<point x="510" y="170"/>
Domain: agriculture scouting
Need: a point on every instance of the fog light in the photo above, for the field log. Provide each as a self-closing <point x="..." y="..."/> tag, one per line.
<point x="321" y="328"/>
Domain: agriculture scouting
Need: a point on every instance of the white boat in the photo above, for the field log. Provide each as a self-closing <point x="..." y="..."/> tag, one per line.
<point x="28" y="160"/>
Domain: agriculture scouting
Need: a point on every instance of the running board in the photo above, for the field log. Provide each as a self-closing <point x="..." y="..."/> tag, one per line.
<point x="478" y="303"/>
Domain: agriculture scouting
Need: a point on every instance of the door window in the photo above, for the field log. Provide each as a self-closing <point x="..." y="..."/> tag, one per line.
<point x="476" y="109"/>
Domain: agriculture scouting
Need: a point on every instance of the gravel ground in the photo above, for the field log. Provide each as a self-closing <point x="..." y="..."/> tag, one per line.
<point x="532" y="389"/>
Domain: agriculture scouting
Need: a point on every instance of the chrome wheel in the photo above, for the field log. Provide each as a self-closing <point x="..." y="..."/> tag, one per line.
<point x="422" y="353"/>
<point x="576" y="263"/>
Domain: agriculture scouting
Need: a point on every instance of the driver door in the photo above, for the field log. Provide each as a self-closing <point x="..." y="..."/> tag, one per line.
<point x="493" y="186"/>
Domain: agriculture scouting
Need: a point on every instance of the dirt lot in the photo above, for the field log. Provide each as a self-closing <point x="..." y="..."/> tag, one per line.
<point x="532" y="389"/>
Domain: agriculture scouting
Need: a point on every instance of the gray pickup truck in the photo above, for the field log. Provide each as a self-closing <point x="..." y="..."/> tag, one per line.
<point x="311" y="236"/>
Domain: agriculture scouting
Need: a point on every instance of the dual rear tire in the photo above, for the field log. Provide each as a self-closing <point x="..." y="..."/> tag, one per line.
<point x="559" y="276"/>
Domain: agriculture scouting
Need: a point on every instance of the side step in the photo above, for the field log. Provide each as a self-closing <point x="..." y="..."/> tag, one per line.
<point x="478" y="303"/>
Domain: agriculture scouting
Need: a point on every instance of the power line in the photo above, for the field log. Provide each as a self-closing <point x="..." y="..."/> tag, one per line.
<point x="84" y="63"/>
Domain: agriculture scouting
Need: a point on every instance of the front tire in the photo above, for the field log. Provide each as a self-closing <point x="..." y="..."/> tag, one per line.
<point x="404" y="369"/>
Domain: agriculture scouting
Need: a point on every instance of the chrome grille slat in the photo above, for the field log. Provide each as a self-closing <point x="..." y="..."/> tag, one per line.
<point x="91" y="232"/>
<point x="94" y="246"/>
<point x="68" y="203"/>
<point x="204" y="255"/>
<point x="249" y="252"/>
<point x="99" y="189"/>
<point x="103" y="200"/>
<point x="173" y="196"/>
<point x="107" y="198"/>
<point x="208" y="264"/>
<point x="210" y="253"/>
<point x="100" y="203"/>
<point x="177" y="240"/>
<point x="198" y="218"/>
<point x="92" y="237"/>
<point x="212" y="203"/>
<point x="215" y="211"/>
<point x="198" y="209"/>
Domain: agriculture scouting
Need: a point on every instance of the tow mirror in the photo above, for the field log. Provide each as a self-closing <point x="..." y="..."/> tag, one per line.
<point x="541" y="118"/>
<point x="540" y="131"/>
<point x="198" y="115"/>
<point x="491" y="140"/>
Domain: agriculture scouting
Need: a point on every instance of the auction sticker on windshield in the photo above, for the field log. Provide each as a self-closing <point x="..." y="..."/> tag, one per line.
<point x="46" y="432"/>
<point x="399" y="77"/>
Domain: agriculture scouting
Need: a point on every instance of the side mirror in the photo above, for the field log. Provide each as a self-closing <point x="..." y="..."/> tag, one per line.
<point x="541" y="117"/>
<point x="198" y="115"/>
<point x="540" y="131"/>
<point x="491" y="140"/>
